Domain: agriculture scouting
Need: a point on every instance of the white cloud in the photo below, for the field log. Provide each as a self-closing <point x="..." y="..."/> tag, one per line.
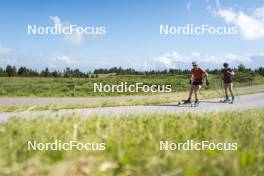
<point x="74" y="38"/>
<point x="4" y="50"/>
<point x="172" y="59"/>
<point x="228" y="15"/>
<point x="56" y="20"/>
<point x="7" y="61"/>
<point x="251" y="26"/>
<point x="62" y="61"/>
<point x="196" y="55"/>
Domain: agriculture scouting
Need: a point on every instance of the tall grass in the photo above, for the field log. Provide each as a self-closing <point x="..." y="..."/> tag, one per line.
<point x="61" y="87"/>
<point x="133" y="145"/>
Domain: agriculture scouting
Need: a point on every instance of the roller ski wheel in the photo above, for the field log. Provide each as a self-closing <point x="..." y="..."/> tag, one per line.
<point x="195" y="104"/>
<point x="227" y="101"/>
<point x="184" y="102"/>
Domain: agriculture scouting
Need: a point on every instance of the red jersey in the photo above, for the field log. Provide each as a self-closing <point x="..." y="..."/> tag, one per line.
<point x="198" y="74"/>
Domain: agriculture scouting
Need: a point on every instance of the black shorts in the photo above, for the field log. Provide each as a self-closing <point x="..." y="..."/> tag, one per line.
<point x="197" y="83"/>
<point x="228" y="81"/>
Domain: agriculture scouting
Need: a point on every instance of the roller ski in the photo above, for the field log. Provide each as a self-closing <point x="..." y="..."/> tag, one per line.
<point x="184" y="102"/>
<point x="188" y="103"/>
<point x="196" y="103"/>
<point x="227" y="100"/>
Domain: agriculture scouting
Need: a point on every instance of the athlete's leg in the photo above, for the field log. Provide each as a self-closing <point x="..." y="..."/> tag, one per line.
<point x="191" y="92"/>
<point x="230" y="87"/>
<point x="226" y="93"/>
<point x="196" y="90"/>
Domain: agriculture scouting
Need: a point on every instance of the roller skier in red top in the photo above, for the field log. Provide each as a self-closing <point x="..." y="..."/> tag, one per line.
<point x="196" y="81"/>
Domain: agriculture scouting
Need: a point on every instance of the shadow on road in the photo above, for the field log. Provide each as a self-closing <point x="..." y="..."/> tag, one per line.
<point x="187" y="105"/>
<point x="208" y="101"/>
<point x="163" y="105"/>
<point x="174" y="105"/>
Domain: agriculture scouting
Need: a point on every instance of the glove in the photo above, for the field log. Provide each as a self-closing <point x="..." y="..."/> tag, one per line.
<point x="207" y="82"/>
<point x="190" y="82"/>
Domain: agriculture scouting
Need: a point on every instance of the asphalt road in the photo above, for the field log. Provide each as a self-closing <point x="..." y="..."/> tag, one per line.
<point x="241" y="103"/>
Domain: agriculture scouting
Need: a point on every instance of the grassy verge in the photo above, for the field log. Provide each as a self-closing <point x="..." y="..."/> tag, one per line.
<point x="128" y="102"/>
<point x="84" y="87"/>
<point x="133" y="145"/>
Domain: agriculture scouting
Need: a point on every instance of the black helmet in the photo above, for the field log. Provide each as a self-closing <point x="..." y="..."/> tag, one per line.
<point x="225" y="64"/>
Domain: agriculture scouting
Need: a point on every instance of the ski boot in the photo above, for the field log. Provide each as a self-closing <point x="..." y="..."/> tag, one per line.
<point x="233" y="99"/>
<point x="187" y="101"/>
<point x="196" y="103"/>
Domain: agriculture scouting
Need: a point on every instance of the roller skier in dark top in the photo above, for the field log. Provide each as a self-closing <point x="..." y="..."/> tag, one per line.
<point x="228" y="74"/>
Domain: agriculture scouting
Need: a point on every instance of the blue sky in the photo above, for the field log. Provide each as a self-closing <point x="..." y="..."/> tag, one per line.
<point x="132" y="36"/>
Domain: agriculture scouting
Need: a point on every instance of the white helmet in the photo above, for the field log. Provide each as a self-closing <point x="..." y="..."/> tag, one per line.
<point x="194" y="64"/>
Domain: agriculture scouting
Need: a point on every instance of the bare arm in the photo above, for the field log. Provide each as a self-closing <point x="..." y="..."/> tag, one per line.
<point x="191" y="77"/>
<point x="205" y="75"/>
<point x="231" y="73"/>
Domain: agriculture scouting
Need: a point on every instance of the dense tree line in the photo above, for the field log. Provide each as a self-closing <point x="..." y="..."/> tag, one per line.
<point x="12" y="71"/>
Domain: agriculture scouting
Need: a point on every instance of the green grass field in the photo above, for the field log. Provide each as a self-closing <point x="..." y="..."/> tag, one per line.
<point x="133" y="145"/>
<point x="83" y="87"/>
